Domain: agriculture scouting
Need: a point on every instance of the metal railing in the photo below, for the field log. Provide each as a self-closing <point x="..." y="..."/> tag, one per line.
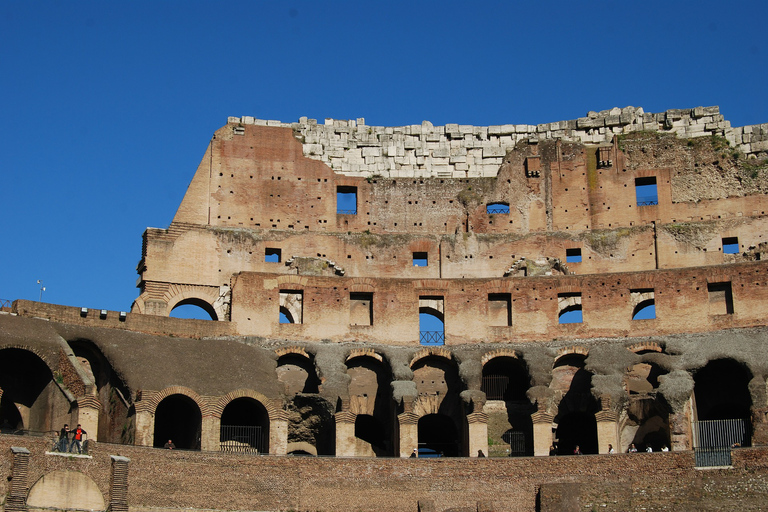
<point x="647" y="201"/>
<point x="346" y="212"/>
<point x="4" y="303"/>
<point x="432" y="337"/>
<point x="516" y="442"/>
<point x="241" y="439"/>
<point x="713" y="440"/>
<point x="497" y="210"/>
<point x="495" y="386"/>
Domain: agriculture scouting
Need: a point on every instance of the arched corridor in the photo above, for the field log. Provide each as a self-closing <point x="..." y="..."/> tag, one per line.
<point x="178" y="418"/>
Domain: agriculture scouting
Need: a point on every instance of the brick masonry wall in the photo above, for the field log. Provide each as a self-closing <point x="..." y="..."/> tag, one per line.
<point x="160" y="479"/>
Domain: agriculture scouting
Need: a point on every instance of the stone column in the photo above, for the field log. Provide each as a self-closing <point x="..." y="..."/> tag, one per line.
<point x="88" y="415"/>
<point x="145" y="423"/>
<point x="345" y="434"/>
<point x="542" y="432"/>
<point x="210" y="434"/>
<point x="478" y="433"/>
<point x="409" y="433"/>
<point x="680" y="427"/>
<point x="607" y="430"/>
<point x="278" y="432"/>
<point x="17" y="493"/>
<point x="118" y="484"/>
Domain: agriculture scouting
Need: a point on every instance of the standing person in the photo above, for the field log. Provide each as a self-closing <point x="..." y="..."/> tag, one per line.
<point x="577" y="450"/>
<point x="63" y="438"/>
<point x="77" y="439"/>
<point x="610" y="449"/>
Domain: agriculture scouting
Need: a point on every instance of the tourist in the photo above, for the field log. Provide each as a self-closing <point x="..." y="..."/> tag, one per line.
<point x="480" y="453"/>
<point x="77" y="439"/>
<point x="169" y="445"/>
<point x="413" y="454"/>
<point x="610" y="449"/>
<point x="649" y="449"/>
<point x="63" y="441"/>
<point x="552" y="451"/>
<point x="577" y="450"/>
<point x="664" y="448"/>
<point x="632" y="448"/>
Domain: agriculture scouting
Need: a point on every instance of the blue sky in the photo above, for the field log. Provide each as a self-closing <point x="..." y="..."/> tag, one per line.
<point x="108" y="106"/>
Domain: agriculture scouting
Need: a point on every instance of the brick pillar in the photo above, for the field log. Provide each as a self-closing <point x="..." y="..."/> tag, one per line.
<point x="409" y="433"/>
<point x="278" y="432"/>
<point x="210" y="432"/>
<point x="345" y="434"/>
<point x="88" y="415"/>
<point x="680" y="427"/>
<point x="118" y="484"/>
<point x="145" y="423"/>
<point x="478" y="433"/>
<point x="542" y="432"/>
<point x="17" y="493"/>
<point x="607" y="431"/>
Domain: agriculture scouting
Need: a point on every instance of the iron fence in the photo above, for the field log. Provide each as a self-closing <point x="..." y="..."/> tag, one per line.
<point x="495" y="386"/>
<point x="516" y="442"/>
<point x="714" y="439"/>
<point x="647" y="201"/>
<point x="241" y="439"/>
<point x="432" y="337"/>
<point x="4" y="303"/>
<point x="497" y="210"/>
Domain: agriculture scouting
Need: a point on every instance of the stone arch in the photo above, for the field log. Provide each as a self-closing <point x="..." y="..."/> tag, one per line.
<point x="178" y="417"/>
<point x="296" y="371"/>
<point x="370" y="401"/>
<point x="572" y="350"/>
<point x="721" y="390"/>
<point x="245" y="422"/>
<point x="645" y="346"/>
<point x="364" y="352"/>
<point x="576" y="406"/>
<point x="66" y="490"/>
<point x="157" y="397"/>
<point x="504" y="352"/>
<point x="30" y="398"/>
<point x="218" y="407"/>
<point x="431" y="351"/>
<point x="212" y="299"/>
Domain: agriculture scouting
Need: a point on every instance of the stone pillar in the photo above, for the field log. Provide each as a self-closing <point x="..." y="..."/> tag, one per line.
<point x="409" y="433"/>
<point x="278" y="432"/>
<point x="680" y="427"/>
<point x="607" y="431"/>
<point x="88" y="416"/>
<point x="118" y="484"/>
<point x="145" y="423"/>
<point x="542" y="432"/>
<point x="155" y="307"/>
<point x="210" y="434"/>
<point x="478" y="433"/>
<point x="17" y="493"/>
<point x="345" y="434"/>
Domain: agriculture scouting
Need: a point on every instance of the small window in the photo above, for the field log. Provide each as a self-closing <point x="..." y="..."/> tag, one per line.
<point x="646" y="192"/>
<point x="499" y="310"/>
<point x="431" y="320"/>
<point x="291" y="307"/>
<point x="346" y="200"/>
<point x="731" y="245"/>
<point x="573" y="255"/>
<point x="720" y="298"/>
<point x="360" y="309"/>
<point x="420" y="259"/>
<point x="569" y="308"/>
<point x="643" y="304"/>
<point x="272" y="255"/>
<point x="497" y="208"/>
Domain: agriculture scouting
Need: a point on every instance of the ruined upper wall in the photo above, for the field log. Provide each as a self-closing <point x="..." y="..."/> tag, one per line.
<point x="458" y="151"/>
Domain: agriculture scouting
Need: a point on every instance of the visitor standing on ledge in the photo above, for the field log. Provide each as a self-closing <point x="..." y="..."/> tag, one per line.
<point x="169" y="445"/>
<point x="77" y="439"/>
<point x="63" y="438"/>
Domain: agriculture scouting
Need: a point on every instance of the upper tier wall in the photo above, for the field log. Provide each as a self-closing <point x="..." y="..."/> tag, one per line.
<point x="459" y="151"/>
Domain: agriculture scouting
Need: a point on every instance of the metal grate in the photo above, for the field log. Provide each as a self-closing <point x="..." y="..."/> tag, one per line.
<point x="647" y="201"/>
<point x="516" y="442"/>
<point x="495" y="386"/>
<point x="241" y="439"/>
<point x="714" y="439"/>
<point x="432" y="337"/>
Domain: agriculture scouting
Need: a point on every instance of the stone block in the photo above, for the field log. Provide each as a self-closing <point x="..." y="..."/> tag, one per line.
<point x="760" y="146"/>
<point x="441" y="152"/>
<point x="507" y="129"/>
<point x="586" y="122"/>
<point x="493" y="152"/>
<point x="613" y="120"/>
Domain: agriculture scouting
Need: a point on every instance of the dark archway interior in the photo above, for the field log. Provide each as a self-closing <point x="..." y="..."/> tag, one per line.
<point x="23" y="379"/>
<point x="651" y="415"/>
<point x="507" y="379"/>
<point x="245" y="420"/>
<point x="311" y="385"/>
<point x="178" y="418"/>
<point x="721" y="390"/>
<point x="372" y="431"/>
<point x="200" y="304"/>
<point x="577" y="428"/>
<point x="438" y="435"/>
<point x="310" y="420"/>
<point x="576" y="412"/>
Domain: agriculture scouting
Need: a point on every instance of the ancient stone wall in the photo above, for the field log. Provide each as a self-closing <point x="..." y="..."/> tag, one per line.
<point x="457" y="151"/>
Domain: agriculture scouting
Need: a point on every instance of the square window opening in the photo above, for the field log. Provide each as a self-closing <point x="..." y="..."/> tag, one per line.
<point x="272" y="255"/>
<point x="420" y="259"/>
<point x="360" y="309"/>
<point x="346" y="200"/>
<point x="720" y="298"/>
<point x="573" y="255"/>
<point x="646" y="192"/>
<point x="499" y="309"/>
<point x="731" y="245"/>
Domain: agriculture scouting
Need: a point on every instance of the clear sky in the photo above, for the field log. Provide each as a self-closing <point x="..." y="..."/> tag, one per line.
<point x="107" y="106"/>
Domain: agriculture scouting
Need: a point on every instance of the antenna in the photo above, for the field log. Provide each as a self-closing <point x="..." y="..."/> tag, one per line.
<point x="42" y="289"/>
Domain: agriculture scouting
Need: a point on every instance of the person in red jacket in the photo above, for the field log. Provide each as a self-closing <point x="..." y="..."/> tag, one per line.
<point x="77" y="439"/>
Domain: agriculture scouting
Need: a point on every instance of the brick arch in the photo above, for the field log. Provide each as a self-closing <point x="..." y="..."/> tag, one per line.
<point x="177" y="293"/>
<point x="493" y="354"/>
<point x="159" y="396"/>
<point x="364" y="352"/>
<point x="53" y="367"/>
<point x="573" y="349"/>
<point x="217" y="408"/>
<point x="292" y="279"/>
<point x="299" y="351"/>
<point x="364" y="284"/>
<point x="431" y="351"/>
<point x="645" y="345"/>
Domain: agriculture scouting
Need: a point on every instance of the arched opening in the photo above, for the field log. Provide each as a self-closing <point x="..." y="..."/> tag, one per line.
<point x="438" y="436"/>
<point x="506" y="379"/>
<point x="497" y="208"/>
<point x="178" y="418"/>
<point x="311" y="422"/>
<point x="721" y="391"/>
<point x="431" y="326"/>
<point x="285" y="316"/>
<point x="115" y="422"/>
<point x="575" y="419"/>
<point x="570" y="315"/>
<point x="646" y="424"/>
<point x="196" y="309"/>
<point x="297" y="374"/>
<point x="369" y="397"/>
<point x="31" y="399"/>
<point x="372" y="432"/>
<point x="244" y="427"/>
<point x="645" y="310"/>
<point x="65" y="490"/>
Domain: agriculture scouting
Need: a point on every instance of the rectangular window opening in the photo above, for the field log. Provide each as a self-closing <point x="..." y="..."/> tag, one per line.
<point x="420" y="259"/>
<point x="497" y="208"/>
<point x="360" y="309"/>
<point x="569" y="308"/>
<point x="346" y="200"/>
<point x="646" y="192"/>
<point x="291" y="306"/>
<point x="499" y="309"/>
<point x="573" y="255"/>
<point x="720" y="298"/>
<point x="731" y="245"/>
<point x="272" y="255"/>
<point x="643" y="304"/>
<point x="431" y="320"/>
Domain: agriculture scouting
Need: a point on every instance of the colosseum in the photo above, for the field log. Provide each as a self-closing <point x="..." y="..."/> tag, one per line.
<point x="420" y="318"/>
